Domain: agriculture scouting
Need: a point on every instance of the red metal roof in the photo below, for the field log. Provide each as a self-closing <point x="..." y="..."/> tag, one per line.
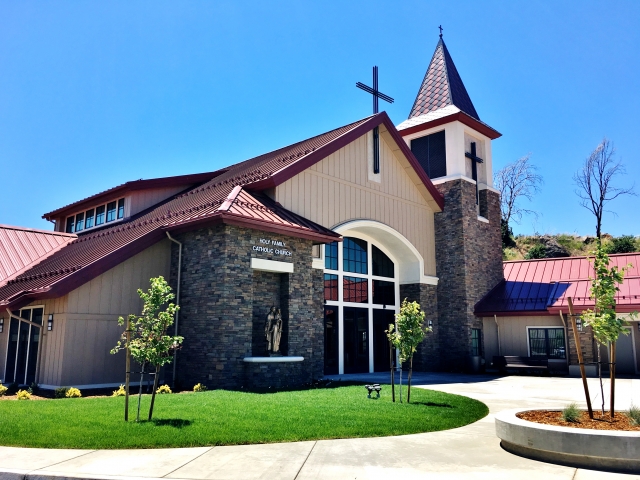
<point x="20" y="248"/>
<point x="229" y="197"/>
<point x="543" y="286"/>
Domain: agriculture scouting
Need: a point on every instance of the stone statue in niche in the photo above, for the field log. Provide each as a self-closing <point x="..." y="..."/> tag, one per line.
<point x="273" y="330"/>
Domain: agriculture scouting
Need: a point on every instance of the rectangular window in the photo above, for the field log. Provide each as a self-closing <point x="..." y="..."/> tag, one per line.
<point x="330" y="287"/>
<point x="431" y="153"/>
<point x="476" y="342"/>
<point x="331" y="256"/>
<point x="100" y="215"/>
<point x="111" y="211"/>
<point x="70" y="225"/>
<point x="79" y="222"/>
<point x="547" y="342"/>
<point x="88" y="222"/>
<point x="355" y="289"/>
<point x="121" y="208"/>
<point x="384" y="293"/>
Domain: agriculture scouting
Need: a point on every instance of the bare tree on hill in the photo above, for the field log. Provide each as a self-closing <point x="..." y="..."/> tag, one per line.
<point x="515" y="181"/>
<point x="594" y="181"/>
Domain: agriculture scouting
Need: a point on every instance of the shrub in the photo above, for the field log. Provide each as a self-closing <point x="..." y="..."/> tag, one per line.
<point x="120" y="392"/>
<point x="73" y="393"/>
<point x="623" y="244"/>
<point x="634" y="414"/>
<point x="3" y="390"/>
<point x="23" y="395"/>
<point x="537" y="251"/>
<point x="571" y="413"/>
<point x="60" y="392"/>
<point x="200" y="388"/>
<point x="164" y="389"/>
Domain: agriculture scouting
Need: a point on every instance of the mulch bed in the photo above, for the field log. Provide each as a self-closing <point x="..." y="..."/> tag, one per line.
<point x="619" y="422"/>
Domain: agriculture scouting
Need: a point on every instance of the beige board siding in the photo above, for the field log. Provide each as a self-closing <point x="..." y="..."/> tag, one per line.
<point x="140" y="200"/>
<point x="92" y="328"/>
<point x="337" y="189"/>
<point x="513" y="334"/>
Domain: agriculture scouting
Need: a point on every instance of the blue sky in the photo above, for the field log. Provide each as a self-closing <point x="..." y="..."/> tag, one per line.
<point x="93" y="94"/>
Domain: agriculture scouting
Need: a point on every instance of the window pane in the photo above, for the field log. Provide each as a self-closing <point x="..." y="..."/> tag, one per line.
<point x="382" y="265"/>
<point x="354" y="253"/>
<point x="556" y="343"/>
<point x="331" y="256"/>
<point x="476" y="344"/>
<point x="70" y="225"/>
<point x="330" y="287"/>
<point x="88" y="222"/>
<point x="355" y="289"/>
<point x="79" y="222"/>
<point x="383" y="293"/>
<point x="121" y="208"/>
<point x="100" y="215"/>
<point x="537" y="342"/>
<point x="111" y="211"/>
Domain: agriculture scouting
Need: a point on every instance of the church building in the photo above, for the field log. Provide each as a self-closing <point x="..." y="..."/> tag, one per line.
<point x="333" y="231"/>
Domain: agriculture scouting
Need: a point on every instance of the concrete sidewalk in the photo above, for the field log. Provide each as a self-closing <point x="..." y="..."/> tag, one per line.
<point x="470" y="452"/>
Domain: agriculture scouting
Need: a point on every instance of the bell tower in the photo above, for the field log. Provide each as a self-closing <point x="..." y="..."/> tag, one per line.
<point x="453" y="145"/>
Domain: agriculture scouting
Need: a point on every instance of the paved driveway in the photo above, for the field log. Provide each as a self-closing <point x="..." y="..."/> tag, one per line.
<point x="471" y="452"/>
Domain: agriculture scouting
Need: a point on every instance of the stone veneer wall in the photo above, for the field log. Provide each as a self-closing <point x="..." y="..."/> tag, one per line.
<point x="427" y="358"/>
<point x="221" y="299"/>
<point x="587" y="342"/>
<point x="468" y="265"/>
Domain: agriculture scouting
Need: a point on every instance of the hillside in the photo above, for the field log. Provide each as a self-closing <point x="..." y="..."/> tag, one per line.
<point x="565" y="245"/>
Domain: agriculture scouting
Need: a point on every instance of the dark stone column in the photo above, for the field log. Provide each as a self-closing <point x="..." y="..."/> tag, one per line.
<point x="468" y="265"/>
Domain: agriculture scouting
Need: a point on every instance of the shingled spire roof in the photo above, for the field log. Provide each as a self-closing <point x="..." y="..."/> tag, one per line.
<point x="442" y="87"/>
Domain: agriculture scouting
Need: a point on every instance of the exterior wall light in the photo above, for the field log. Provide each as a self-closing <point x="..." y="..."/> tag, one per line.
<point x="579" y="324"/>
<point x="430" y="324"/>
<point x="1" y="325"/>
<point x="50" y="322"/>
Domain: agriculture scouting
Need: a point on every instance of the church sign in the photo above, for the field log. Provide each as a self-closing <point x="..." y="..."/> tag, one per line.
<point x="267" y="247"/>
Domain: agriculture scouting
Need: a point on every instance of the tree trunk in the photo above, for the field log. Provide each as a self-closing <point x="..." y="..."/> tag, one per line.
<point x="140" y="393"/>
<point x="127" y="372"/>
<point x="612" y="376"/>
<point x="409" y="379"/>
<point x="393" y="383"/>
<point x="153" y="394"/>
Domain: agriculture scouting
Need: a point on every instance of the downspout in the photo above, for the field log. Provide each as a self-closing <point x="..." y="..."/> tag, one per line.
<point x="175" y="353"/>
<point x="495" y="317"/>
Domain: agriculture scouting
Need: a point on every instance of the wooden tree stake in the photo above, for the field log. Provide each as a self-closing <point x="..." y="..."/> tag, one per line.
<point x="612" y="376"/>
<point x="128" y="369"/>
<point x="393" y="382"/>
<point x="580" y="359"/>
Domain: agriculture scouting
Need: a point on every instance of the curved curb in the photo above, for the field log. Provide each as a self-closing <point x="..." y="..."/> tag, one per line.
<point x="582" y="448"/>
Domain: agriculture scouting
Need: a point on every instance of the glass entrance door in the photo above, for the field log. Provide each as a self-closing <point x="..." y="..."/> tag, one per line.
<point x="381" y="354"/>
<point x="23" y="346"/>
<point x="356" y="340"/>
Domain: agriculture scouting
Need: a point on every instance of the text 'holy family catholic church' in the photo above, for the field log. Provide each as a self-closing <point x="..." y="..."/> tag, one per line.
<point x="333" y="232"/>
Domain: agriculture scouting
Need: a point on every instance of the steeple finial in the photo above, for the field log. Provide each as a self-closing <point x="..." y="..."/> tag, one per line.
<point x="440" y="27"/>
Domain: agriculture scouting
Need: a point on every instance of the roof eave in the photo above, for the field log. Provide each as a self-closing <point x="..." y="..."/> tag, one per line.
<point x="462" y="117"/>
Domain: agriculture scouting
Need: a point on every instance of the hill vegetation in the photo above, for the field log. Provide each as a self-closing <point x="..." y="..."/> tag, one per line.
<point x="563" y="245"/>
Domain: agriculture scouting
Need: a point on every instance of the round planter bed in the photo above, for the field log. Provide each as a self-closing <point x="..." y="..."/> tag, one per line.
<point x="611" y="450"/>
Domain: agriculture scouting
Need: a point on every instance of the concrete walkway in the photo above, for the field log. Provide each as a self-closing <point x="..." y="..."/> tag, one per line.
<point x="471" y="452"/>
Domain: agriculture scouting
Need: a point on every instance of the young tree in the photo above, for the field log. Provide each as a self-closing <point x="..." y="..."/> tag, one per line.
<point x="406" y="335"/>
<point x="149" y="343"/>
<point x="595" y="181"/>
<point x="603" y="320"/>
<point x="515" y="181"/>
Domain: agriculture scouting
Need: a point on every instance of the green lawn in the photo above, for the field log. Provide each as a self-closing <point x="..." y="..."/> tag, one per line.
<point x="221" y="417"/>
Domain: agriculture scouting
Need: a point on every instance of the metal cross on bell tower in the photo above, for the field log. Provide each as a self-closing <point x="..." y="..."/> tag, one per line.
<point x="376" y="94"/>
